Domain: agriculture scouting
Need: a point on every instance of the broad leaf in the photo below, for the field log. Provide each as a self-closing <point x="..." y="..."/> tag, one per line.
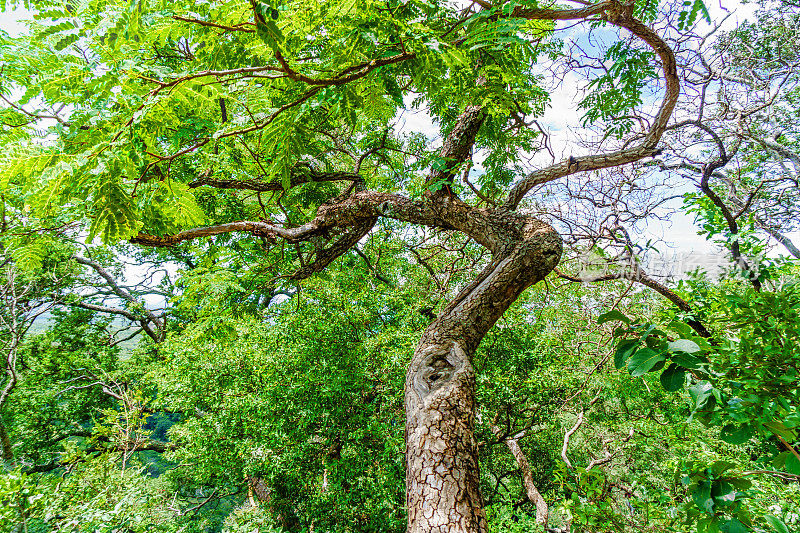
<point x="644" y="361"/>
<point x="683" y="345"/>
<point x="625" y="349"/>
<point x="700" y="393"/>
<point x="736" y="434"/>
<point x="613" y="315"/>
<point x="733" y="526"/>
<point x="673" y="378"/>
<point x="776" y="524"/>
<point x="701" y="495"/>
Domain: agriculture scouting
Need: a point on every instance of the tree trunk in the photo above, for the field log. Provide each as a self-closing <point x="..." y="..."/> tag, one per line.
<point x="442" y="478"/>
<point x="5" y="445"/>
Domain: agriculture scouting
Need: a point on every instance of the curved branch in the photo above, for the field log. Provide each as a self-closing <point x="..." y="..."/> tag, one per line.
<point x="347" y="75"/>
<point x="567" y="435"/>
<point x="639" y="276"/>
<point x="542" y="510"/>
<point x="326" y="256"/>
<point x="372" y="268"/>
<point x="455" y="150"/>
<point x="156" y="332"/>
<point x="733" y="227"/>
<point x="619" y="15"/>
<point x="562" y="14"/>
<point x="348" y="212"/>
<point x="109" y="310"/>
<point x="778" y="236"/>
<point x="238" y="27"/>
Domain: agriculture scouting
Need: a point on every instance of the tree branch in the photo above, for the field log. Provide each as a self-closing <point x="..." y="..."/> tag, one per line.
<point x="619" y="15"/>
<point x="262" y="186"/>
<point x="639" y="276"/>
<point x="531" y="490"/>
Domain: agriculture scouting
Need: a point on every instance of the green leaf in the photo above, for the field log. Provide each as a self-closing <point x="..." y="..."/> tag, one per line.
<point x="182" y="206"/>
<point x="686" y="19"/>
<point x="644" y="361"/>
<point x="66" y="41"/>
<point x="700" y="393"/>
<point x="792" y="464"/>
<point x="673" y="378"/>
<point x="116" y="217"/>
<point x="29" y="255"/>
<point x="269" y="32"/>
<point x="733" y="434"/>
<point x="720" y="467"/>
<point x="687" y="361"/>
<point x="625" y="349"/>
<point x="455" y="58"/>
<point x="701" y="495"/>
<point x="683" y="345"/>
<point x="778" y="428"/>
<point x="24" y="165"/>
<point x="707" y="524"/>
<point x="733" y="526"/>
<point x="776" y="524"/>
<point x="740" y="483"/>
<point x="347" y="6"/>
<point x="779" y="460"/>
<point x="613" y="315"/>
<point x="723" y="493"/>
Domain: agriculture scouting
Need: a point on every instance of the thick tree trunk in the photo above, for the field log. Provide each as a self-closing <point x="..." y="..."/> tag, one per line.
<point x="442" y="477"/>
<point x="442" y="481"/>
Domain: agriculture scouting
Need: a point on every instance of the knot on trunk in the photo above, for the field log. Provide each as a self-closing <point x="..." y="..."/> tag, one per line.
<point x="441" y="365"/>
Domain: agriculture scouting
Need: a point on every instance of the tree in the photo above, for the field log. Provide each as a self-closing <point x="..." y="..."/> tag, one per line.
<point x="171" y="123"/>
<point x="25" y="297"/>
<point x="737" y="135"/>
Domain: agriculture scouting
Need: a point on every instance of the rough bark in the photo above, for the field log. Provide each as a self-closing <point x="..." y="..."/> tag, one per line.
<point x="442" y="476"/>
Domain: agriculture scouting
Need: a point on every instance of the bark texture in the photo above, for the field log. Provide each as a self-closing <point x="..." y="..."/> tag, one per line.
<point x="442" y="475"/>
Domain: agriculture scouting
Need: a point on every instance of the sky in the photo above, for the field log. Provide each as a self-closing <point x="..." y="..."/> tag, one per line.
<point x="10" y="21"/>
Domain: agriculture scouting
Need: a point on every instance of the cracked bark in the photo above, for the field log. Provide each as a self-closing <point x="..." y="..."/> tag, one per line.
<point x="442" y="476"/>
